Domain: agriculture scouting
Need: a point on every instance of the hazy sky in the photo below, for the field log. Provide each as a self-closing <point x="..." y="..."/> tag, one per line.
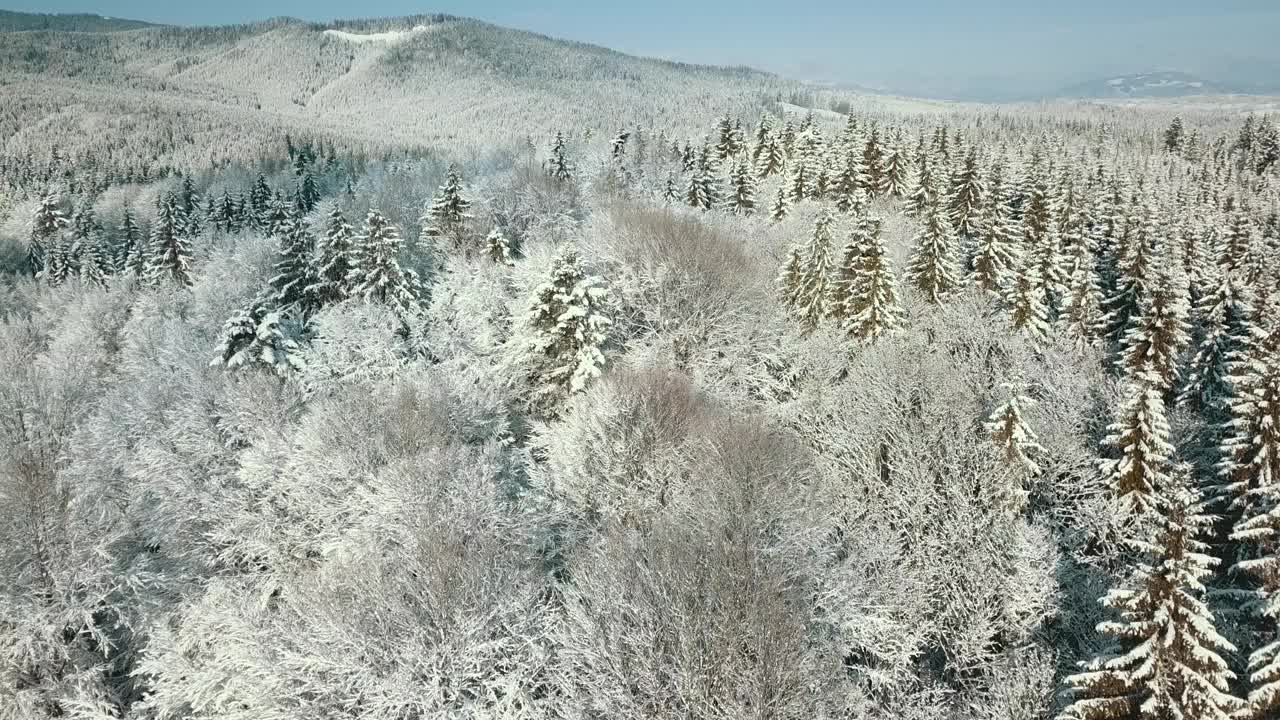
<point x="928" y="46"/>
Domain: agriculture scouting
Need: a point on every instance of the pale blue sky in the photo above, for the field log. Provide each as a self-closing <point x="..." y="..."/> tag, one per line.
<point x="932" y="46"/>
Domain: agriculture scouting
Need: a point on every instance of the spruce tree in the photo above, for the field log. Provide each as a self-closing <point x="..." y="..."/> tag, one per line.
<point x="377" y="276"/>
<point x="932" y="266"/>
<point x="1167" y="661"/>
<point x="813" y="283"/>
<point x="1140" y="436"/>
<point x="924" y="191"/>
<point x="781" y="207"/>
<point x="1015" y="440"/>
<point x="968" y="198"/>
<point x="558" y="165"/>
<point x="798" y="185"/>
<point x="497" y="247"/>
<point x="331" y="265"/>
<point x="849" y="184"/>
<point x="1028" y="309"/>
<point x="132" y="254"/>
<point x="46" y="229"/>
<point x="744" y="190"/>
<point x="292" y="279"/>
<point x="447" y="215"/>
<point x="873" y="163"/>
<point x="1155" y="340"/>
<point x="92" y="259"/>
<point x="170" y="258"/>
<point x="1222" y="318"/>
<point x="1082" y="319"/>
<point x="772" y="159"/>
<point x="871" y="308"/>
<point x="998" y="253"/>
<point x="893" y="183"/>
<point x="568" y="328"/>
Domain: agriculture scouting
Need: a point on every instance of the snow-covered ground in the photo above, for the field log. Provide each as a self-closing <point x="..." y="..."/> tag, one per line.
<point x="392" y="36"/>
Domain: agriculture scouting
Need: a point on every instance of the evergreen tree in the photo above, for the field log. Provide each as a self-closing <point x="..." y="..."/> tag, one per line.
<point x="1134" y="273"/>
<point x="307" y="192"/>
<point x="670" y="193"/>
<point x="170" y="258"/>
<point x="1223" y="322"/>
<point x="967" y="199"/>
<point x="1015" y="440"/>
<point x="497" y="247"/>
<point x="1173" y="134"/>
<point x="46" y="229"/>
<point x="447" y="216"/>
<point x="58" y="260"/>
<point x="292" y="280"/>
<point x="1140" y="434"/>
<point x="813" y="283"/>
<point x="259" y="202"/>
<point x="1044" y="244"/>
<point x="772" y="159"/>
<point x="1028" y="309"/>
<point x="798" y="185"/>
<point x="92" y="259"/>
<point x="558" y="165"/>
<point x="1082" y="319"/>
<point x="849" y="183"/>
<point x="893" y="183"/>
<point x="998" y="253"/>
<point x="924" y="192"/>
<point x="1168" y="661"/>
<point x="1154" y="343"/>
<point x="132" y="254"/>
<point x="377" y="276"/>
<point x="332" y="264"/>
<point x="871" y="308"/>
<point x="780" y="208"/>
<point x="568" y="328"/>
<point x="744" y="190"/>
<point x="932" y="267"/>
<point x="873" y="163"/>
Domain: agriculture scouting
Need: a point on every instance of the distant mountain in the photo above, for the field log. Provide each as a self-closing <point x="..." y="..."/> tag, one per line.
<point x="1164" y="83"/>
<point x="382" y="85"/>
<point x="82" y="22"/>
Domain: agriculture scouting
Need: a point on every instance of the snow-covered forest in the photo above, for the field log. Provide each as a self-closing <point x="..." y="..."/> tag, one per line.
<point x="757" y="401"/>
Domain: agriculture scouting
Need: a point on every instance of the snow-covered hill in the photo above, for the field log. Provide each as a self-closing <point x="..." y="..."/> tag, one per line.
<point x="382" y="84"/>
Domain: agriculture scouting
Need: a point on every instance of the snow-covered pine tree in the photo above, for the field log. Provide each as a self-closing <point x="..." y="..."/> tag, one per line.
<point x="1015" y="440"/>
<point x="92" y="259"/>
<point x="798" y="184"/>
<point x="744" y="189"/>
<point x="923" y="192"/>
<point x="377" y="276"/>
<point x="567" y="331"/>
<point x="1028" y="309"/>
<point x="849" y="183"/>
<point x="873" y="163"/>
<point x="447" y="216"/>
<point x="58" y="260"/>
<point x="813" y="283"/>
<point x="967" y="199"/>
<point x="1140" y="436"/>
<point x="331" y="265"/>
<point x="932" y="266"/>
<point x="1134" y="273"/>
<point x="671" y="192"/>
<point x="781" y="207"/>
<point x="293" y="274"/>
<point x="131" y="251"/>
<point x="497" y="247"/>
<point x="871" y="308"/>
<point x="1043" y="244"/>
<point x="558" y="165"/>
<point x="1167" y="661"/>
<point x="1250" y="469"/>
<point x="998" y="253"/>
<point x="170" y="258"/>
<point x="893" y="183"/>
<point x="259" y="202"/>
<point x="47" y="225"/>
<point x="726" y="144"/>
<point x="772" y="159"/>
<point x="1223" y="321"/>
<point x="1155" y="340"/>
<point x="1082" y="320"/>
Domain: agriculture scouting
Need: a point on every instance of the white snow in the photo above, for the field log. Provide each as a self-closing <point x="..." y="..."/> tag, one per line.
<point x="392" y="36"/>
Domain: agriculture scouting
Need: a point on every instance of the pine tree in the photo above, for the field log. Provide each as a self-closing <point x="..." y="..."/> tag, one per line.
<point x="871" y="308"/>
<point x="92" y="259"/>
<point x="447" y="216"/>
<point x="932" y="267"/>
<point x="1134" y="274"/>
<point x="813" y="283"/>
<point x="497" y="247"/>
<point x="170" y="258"/>
<point x="726" y="145"/>
<point x="670" y="193"/>
<point x="1250" y="469"/>
<point x="998" y="253"/>
<point x="968" y="198"/>
<point x="46" y="228"/>
<point x="924" y="191"/>
<point x="58" y="263"/>
<point x="780" y="208"/>
<point x="568" y="328"/>
<point x="259" y="202"/>
<point x="1082" y="320"/>
<point x="1223" y="320"/>
<point x="307" y="192"/>
<point x="789" y="278"/>
<point x="893" y="183"/>
<point x="132" y="253"/>
<point x="1028" y="310"/>
<point x="798" y="185"/>
<point x="1154" y="342"/>
<point x="849" y="184"/>
<point x="558" y="165"/>
<point x="292" y="280"/>
<point x="1167" y="662"/>
<point x="331" y="265"/>
<point x="873" y="163"/>
<point x="188" y="209"/>
<point x="1173" y="135"/>
<point x="377" y="276"/>
<point x="771" y="160"/>
<point x="1044" y="244"/>
<point x="744" y="190"/>
<point x="1140" y="434"/>
<point x="1015" y="440"/>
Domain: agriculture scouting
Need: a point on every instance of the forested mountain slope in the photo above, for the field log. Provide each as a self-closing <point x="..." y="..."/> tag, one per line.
<point x="418" y="82"/>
